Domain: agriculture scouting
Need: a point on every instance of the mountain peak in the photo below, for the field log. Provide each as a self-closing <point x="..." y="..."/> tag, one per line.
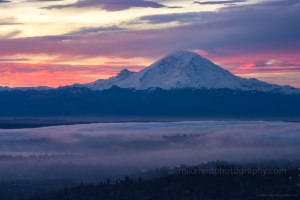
<point x="187" y="67"/>
<point x="182" y="57"/>
<point x="183" y="53"/>
<point x="124" y="73"/>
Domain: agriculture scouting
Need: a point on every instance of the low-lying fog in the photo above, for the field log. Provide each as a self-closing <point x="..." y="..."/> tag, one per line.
<point x="159" y="144"/>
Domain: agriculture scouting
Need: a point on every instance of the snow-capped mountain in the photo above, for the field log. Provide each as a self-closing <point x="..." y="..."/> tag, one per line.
<point x="185" y="70"/>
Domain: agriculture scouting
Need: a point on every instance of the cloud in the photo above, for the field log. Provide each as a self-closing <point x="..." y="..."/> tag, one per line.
<point x="281" y="3"/>
<point x="47" y="0"/>
<point x="11" y="34"/>
<point x="87" y="30"/>
<point x="43" y="0"/>
<point x="237" y="14"/>
<point x="8" y="21"/>
<point x="110" y="5"/>
<point x="57" y="68"/>
<point x="3" y="23"/>
<point x="23" y="74"/>
<point x="243" y="29"/>
<point x="4" y="1"/>
<point x="246" y="29"/>
<point x="264" y="67"/>
<point x="190" y="17"/>
<point x="218" y="2"/>
<point x="174" y="7"/>
<point x="13" y="59"/>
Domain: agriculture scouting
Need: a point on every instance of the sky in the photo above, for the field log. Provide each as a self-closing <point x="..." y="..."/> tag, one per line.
<point x="62" y="42"/>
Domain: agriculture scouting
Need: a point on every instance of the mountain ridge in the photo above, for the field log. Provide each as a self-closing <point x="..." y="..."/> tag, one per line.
<point x="186" y="70"/>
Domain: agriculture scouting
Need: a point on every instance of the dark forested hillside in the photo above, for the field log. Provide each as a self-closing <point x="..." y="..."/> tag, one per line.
<point x="187" y="186"/>
<point x="45" y="177"/>
<point x="72" y="101"/>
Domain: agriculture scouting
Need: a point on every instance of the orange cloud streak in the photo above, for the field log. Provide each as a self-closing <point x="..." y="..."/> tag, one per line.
<point x="22" y="74"/>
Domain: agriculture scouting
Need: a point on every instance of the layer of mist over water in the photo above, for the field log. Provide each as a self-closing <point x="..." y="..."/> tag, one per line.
<point x="158" y="144"/>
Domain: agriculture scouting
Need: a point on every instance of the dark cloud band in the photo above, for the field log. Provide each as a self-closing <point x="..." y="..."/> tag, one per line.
<point x="87" y="30"/>
<point x="110" y="5"/>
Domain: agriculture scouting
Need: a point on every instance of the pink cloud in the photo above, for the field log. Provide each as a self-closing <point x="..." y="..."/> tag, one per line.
<point x="22" y="74"/>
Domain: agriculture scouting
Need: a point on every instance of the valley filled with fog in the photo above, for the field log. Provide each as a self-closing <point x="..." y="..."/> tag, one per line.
<point x="157" y="144"/>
